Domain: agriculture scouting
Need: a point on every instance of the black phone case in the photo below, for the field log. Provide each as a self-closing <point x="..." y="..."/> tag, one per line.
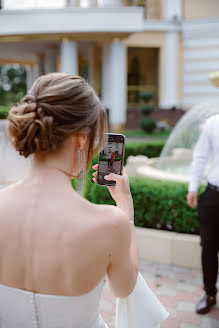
<point x="112" y="182"/>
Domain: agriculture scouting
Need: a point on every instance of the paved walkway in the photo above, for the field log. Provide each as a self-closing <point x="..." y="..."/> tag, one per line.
<point x="177" y="288"/>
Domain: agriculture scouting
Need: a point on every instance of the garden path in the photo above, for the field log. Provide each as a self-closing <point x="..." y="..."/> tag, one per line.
<point x="179" y="289"/>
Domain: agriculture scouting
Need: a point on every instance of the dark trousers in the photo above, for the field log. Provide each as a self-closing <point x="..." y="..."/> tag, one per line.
<point x="208" y="214"/>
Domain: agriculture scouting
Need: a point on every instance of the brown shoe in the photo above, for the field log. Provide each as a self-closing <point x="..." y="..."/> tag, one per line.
<point x="205" y="304"/>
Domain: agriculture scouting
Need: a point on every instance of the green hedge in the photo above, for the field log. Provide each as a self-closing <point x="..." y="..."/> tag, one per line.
<point x="158" y="204"/>
<point x="150" y="149"/>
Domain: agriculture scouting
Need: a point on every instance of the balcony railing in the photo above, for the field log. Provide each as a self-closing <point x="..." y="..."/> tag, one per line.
<point x="133" y="94"/>
<point x="104" y="3"/>
<point x="152" y="8"/>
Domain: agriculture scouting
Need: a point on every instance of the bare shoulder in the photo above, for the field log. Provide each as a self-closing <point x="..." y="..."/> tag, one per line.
<point x="115" y="220"/>
<point x="111" y="213"/>
<point x="5" y="194"/>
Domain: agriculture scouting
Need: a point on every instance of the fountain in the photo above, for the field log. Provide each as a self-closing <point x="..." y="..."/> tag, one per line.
<point x="174" y="163"/>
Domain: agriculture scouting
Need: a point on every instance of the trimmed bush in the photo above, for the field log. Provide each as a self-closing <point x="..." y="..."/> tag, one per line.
<point x="158" y="204"/>
<point x="146" y="109"/>
<point x="146" y="95"/>
<point x="148" y="124"/>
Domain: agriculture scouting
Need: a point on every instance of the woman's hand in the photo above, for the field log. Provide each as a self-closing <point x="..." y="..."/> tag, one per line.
<point x="121" y="191"/>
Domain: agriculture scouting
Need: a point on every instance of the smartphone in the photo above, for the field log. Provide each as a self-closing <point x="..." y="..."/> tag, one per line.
<point x="111" y="158"/>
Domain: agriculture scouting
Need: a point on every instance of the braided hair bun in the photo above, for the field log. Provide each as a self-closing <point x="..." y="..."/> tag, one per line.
<point x="57" y="106"/>
<point x="30" y="127"/>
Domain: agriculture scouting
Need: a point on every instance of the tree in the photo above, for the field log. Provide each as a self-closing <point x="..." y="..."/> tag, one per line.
<point x="12" y="83"/>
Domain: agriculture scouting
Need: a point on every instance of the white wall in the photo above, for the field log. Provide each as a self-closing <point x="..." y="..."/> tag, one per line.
<point x="200" y="57"/>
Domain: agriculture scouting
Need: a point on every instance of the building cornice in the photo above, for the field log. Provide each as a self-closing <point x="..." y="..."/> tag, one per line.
<point x="71" y="20"/>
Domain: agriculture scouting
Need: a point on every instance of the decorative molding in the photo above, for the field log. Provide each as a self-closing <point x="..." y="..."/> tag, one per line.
<point x="158" y="25"/>
<point x="17" y="61"/>
<point x="102" y="37"/>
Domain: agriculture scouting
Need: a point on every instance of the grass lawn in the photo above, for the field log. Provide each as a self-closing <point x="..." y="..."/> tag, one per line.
<point x="141" y="133"/>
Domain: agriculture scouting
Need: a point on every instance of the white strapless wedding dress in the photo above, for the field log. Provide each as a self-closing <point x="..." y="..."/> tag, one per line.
<point x="23" y="309"/>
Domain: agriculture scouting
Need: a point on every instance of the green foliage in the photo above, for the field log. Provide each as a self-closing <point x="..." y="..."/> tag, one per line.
<point x="158" y="204"/>
<point x="148" y="124"/>
<point x="146" y="95"/>
<point x="142" y="133"/>
<point x="3" y="112"/>
<point x="146" y="109"/>
<point x="12" y="83"/>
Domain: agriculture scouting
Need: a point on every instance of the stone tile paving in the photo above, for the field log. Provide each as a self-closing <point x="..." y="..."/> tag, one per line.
<point x="179" y="289"/>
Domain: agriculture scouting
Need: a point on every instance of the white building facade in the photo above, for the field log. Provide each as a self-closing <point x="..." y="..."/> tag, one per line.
<point x="121" y="47"/>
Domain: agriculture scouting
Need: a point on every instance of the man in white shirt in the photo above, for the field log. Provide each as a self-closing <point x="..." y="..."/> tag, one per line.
<point x="207" y="148"/>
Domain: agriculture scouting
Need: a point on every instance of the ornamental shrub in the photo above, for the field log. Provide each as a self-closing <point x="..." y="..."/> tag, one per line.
<point x="146" y="109"/>
<point x="148" y="124"/>
<point x="146" y="95"/>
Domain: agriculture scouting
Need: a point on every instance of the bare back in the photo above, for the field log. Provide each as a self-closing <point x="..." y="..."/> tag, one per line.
<point x="52" y="241"/>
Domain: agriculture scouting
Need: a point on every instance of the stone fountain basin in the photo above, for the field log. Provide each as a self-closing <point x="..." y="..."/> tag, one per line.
<point x="146" y="167"/>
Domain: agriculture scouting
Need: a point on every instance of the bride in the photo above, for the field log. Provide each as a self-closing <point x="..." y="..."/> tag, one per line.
<point x="56" y="248"/>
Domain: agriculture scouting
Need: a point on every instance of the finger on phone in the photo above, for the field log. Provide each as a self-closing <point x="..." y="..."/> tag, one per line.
<point x="94" y="179"/>
<point x="112" y="176"/>
<point x="95" y="167"/>
<point x="94" y="173"/>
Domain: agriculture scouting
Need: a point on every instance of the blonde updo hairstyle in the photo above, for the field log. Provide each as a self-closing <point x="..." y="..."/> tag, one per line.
<point x="58" y="105"/>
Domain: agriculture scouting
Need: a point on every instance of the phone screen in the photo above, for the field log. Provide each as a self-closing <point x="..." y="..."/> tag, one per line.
<point x="111" y="158"/>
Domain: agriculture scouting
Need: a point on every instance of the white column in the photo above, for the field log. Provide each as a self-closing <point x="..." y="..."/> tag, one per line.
<point x="118" y="84"/>
<point x="51" y="60"/>
<point x="35" y="72"/>
<point x="40" y="64"/>
<point x="106" y="75"/>
<point x="69" y="57"/>
<point x="110" y="3"/>
<point x="173" y="9"/>
<point x="29" y="77"/>
<point x="91" y="64"/>
<point x="171" y="68"/>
